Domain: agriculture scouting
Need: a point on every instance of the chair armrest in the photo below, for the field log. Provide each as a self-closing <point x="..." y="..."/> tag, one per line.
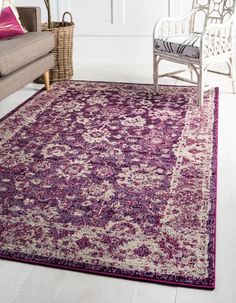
<point x="174" y="26"/>
<point x="218" y="39"/>
<point x="30" y="18"/>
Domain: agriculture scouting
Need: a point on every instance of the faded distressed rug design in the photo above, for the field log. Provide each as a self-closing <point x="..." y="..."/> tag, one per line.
<point x="108" y="178"/>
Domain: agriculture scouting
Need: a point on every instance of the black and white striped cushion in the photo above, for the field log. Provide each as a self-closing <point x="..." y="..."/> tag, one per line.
<point x="180" y="44"/>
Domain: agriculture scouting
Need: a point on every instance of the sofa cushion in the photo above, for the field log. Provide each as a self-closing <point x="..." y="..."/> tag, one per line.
<point x="19" y="51"/>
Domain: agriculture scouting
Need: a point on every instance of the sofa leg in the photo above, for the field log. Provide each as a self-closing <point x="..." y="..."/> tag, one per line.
<point x="46" y="81"/>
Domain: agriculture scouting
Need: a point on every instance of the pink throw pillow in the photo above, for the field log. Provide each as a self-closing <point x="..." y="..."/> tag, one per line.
<point x="9" y="24"/>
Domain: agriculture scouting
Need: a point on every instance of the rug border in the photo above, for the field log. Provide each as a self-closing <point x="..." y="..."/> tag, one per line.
<point x="63" y="81"/>
<point x="214" y="200"/>
<point x="214" y="182"/>
<point x="20" y="105"/>
<point x="91" y="81"/>
<point x="107" y="274"/>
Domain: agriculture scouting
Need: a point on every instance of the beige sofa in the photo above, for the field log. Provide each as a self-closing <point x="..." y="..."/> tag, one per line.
<point x="26" y="57"/>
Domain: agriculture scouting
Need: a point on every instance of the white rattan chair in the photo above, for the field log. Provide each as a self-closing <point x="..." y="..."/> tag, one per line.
<point x="179" y="40"/>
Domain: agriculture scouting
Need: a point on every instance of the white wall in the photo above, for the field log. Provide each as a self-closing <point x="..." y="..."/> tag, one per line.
<point x="117" y="17"/>
<point x="97" y="21"/>
<point x="180" y="7"/>
<point x="113" y="17"/>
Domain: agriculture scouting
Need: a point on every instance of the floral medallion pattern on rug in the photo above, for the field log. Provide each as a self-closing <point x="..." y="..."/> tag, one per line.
<point x="109" y="178"/>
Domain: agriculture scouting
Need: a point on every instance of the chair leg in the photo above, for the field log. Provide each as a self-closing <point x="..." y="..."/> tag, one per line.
<point x="46" y="81"/>
<point x="232" y="74"/>
<point x="155" y="73"/>
<point x="156" y="61"/>
<point x="191" y="72"/>
<point x="201" y="85"/>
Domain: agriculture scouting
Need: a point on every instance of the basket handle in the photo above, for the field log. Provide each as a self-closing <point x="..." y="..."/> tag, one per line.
<point x="63" y="17"/>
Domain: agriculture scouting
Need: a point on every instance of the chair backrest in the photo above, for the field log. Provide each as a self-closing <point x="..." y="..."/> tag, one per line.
<point x="213" y="11"/>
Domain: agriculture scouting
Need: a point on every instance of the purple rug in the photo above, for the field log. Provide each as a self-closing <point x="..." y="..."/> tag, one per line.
<point x="108" y="178"/>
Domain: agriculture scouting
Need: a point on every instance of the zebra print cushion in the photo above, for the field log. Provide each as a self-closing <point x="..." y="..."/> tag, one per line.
<point x="180" y="44"/>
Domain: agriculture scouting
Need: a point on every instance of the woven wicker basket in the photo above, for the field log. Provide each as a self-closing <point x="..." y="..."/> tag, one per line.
<point x="63" y="34"/>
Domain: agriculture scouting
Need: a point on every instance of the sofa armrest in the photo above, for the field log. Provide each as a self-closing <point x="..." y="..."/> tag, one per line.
<point x="30" y="17"/>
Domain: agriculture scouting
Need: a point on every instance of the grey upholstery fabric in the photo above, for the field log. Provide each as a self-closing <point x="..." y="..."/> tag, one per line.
<point x="180" y="44"/>
<point x="25" y="58"/>
<point x="30" y="18"/>
<point x="24" y="75"/>
<point x="18" y="51"/>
